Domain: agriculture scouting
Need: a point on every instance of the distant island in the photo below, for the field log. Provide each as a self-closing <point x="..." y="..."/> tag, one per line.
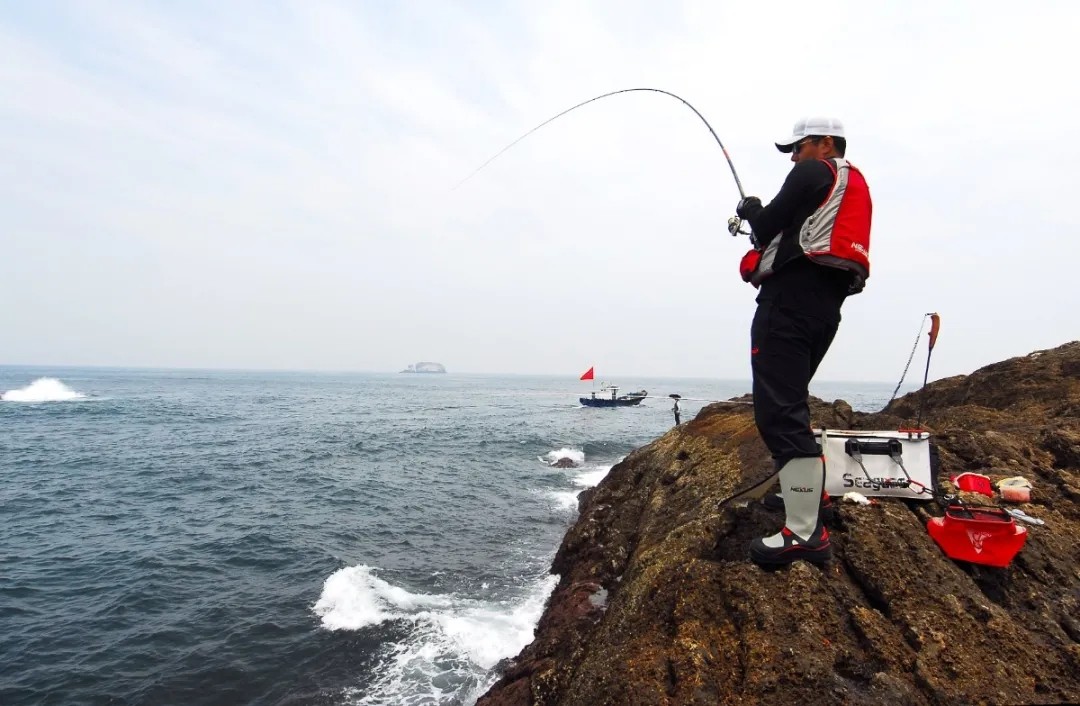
<point x="425" y="368"/>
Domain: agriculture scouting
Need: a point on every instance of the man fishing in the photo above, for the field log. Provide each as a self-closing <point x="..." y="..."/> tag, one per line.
<point x="812" y="251"/>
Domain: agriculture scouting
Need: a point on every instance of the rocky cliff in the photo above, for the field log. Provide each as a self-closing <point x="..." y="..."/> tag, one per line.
<point x="657" y="604"/>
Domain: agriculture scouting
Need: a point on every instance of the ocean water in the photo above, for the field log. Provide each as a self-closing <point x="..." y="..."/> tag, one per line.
<point x="208" y="537"/>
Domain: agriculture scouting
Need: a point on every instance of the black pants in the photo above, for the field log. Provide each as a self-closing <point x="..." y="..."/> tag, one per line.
<point x="789" y="337"/>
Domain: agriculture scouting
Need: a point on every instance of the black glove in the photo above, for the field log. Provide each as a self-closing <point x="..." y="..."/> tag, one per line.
<point x="748" y="207"/>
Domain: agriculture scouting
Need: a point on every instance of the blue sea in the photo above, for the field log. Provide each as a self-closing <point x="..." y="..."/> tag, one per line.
<point x="212" y="537"/>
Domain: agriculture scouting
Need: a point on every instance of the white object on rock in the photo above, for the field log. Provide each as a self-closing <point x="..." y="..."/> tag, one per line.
<point x="1021" y="515"/>
<point x="1015" y="490"/>
<point x="854" y="497"/>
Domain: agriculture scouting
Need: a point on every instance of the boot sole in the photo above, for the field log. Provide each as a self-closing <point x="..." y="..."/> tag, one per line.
<point x="783" y="558"/>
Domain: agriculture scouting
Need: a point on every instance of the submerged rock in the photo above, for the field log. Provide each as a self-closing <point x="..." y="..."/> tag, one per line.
<point x="564" y="462"/>
<point x="686" y="619"/>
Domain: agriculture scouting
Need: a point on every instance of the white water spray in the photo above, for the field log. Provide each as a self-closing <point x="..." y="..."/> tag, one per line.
<point x="452" y="645"/>
<point x="43" y="390"/>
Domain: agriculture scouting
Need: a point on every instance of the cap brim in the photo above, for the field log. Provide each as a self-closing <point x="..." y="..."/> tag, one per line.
<point x="788" y="145"/>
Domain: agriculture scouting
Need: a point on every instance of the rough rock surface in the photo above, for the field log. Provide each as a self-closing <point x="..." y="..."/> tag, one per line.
<point x="657" y="604"/>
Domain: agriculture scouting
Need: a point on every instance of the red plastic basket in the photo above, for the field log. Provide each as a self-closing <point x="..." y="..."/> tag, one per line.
<point x="973" y="483"/>
<point x="980" y="535"/>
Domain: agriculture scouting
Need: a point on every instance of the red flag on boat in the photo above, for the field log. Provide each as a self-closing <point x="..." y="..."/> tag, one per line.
<point x="588" y="374"/>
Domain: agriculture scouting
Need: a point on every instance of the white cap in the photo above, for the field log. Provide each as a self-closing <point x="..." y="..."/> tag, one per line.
<point x="806" y="127"/>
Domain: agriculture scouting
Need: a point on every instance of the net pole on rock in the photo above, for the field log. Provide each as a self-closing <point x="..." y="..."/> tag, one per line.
<point x="935" y="326"/>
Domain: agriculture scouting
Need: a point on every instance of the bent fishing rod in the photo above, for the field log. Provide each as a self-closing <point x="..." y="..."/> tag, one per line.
<point x="734" y="223"/>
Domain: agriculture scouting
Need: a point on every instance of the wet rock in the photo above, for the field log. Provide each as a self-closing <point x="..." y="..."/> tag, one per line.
<point x="686" y="619"/>
<point x="565" y="462"/>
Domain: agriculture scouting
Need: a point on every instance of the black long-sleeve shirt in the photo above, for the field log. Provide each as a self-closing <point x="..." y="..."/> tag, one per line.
<point x="806" y="187"/>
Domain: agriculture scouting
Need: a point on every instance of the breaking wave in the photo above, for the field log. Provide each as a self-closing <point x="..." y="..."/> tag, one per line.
<point x="585" y="478"/>
<point x="43" y="390"/>
<point x="451" y="644"/>
<point x="590" y="477"/>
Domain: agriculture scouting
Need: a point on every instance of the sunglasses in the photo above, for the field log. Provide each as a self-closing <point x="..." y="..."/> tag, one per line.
<point x="797" y="147"/>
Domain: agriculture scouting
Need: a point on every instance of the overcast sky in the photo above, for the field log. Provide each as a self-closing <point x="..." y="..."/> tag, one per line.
<point x="271" y="185"/>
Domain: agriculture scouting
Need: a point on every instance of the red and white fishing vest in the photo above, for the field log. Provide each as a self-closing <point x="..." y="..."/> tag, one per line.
<point x="837" y="234"/>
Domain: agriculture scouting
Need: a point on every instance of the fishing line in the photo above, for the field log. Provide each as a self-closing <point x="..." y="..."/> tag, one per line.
<point x="935" y="324"/>
<point x="738" y="183"/>
<point x="911" y="357"/>
<point x="702" y="399"/>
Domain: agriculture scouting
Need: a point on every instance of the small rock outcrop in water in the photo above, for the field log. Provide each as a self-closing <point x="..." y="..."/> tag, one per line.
<point x="564" y="462"/>
<point x="684" y="618"/>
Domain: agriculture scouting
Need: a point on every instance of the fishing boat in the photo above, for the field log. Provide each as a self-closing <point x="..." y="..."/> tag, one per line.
<point x="608" y="396"/>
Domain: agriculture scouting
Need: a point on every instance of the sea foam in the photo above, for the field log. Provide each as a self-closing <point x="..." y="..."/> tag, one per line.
<point x="451" y="645"/>
<point x="42" y="390"/>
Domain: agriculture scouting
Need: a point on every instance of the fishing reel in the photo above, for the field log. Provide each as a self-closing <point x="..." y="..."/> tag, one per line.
<point x="734" y="226"/>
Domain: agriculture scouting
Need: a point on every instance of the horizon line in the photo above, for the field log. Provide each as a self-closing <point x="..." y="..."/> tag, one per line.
<point x="338" y="371"/>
